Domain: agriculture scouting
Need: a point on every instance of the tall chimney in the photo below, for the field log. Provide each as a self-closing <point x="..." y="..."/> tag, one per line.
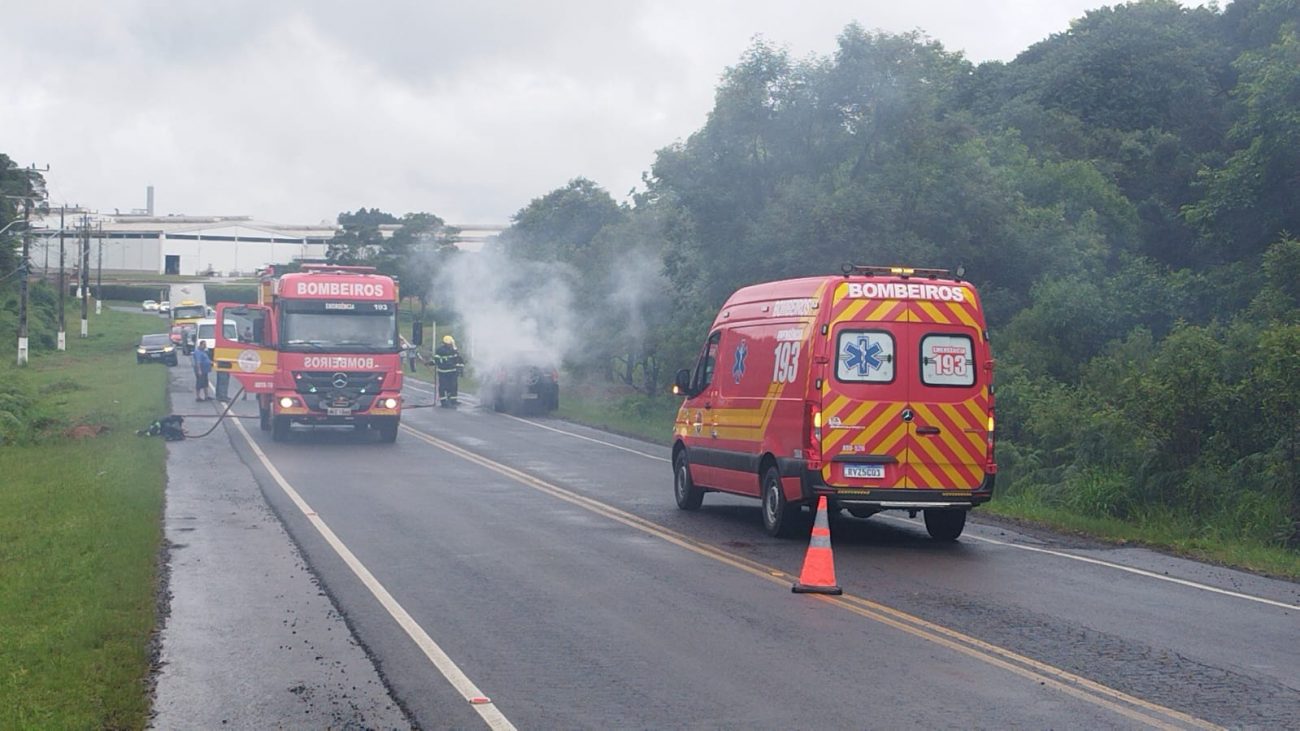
<point x="149" y="201"/>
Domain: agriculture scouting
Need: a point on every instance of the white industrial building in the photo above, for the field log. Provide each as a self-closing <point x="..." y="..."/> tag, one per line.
<point x="193" y="245"/>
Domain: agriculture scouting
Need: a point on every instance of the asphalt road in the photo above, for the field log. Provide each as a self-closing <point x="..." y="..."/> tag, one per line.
<point x="531" y="573"/>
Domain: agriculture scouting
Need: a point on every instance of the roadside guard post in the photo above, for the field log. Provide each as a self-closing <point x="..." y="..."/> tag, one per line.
<point x="818" y="574"/>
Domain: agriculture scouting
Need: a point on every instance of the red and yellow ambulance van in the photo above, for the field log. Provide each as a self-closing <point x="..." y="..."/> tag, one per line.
<point x="873" y="388"/>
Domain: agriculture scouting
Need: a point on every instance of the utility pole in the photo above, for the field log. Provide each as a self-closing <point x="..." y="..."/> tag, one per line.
<point x="24" y="265"/>
<point x="22" y="282"/>
<point x="99" y="274"/>
<point x="63" y="285"/>
<point x="85" y="276"/>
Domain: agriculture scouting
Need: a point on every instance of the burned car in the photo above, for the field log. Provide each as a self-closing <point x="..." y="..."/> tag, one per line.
<point x="523" y="386"/>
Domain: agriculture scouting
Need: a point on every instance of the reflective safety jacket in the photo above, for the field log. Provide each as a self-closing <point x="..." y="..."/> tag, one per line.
<point x="446" y="359"/>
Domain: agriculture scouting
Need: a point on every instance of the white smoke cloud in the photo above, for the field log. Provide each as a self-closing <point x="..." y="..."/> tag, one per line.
<point x="510" y="311"/>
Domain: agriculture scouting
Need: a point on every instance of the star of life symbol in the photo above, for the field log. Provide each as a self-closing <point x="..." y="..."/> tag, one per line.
<point x="738" y="368"/>
<point x="862" y="355"/>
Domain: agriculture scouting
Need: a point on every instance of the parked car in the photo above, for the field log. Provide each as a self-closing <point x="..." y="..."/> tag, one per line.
<point x="164" y="306"/>
<point x="157" y="347"/>
<point x="149" y="306"/>
<point x="530" y="385"/>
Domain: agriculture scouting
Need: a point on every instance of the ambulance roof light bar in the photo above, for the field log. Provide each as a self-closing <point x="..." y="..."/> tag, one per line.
<point x="904" y="272"/>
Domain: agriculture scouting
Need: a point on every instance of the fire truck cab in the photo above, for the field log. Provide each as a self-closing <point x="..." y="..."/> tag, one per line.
<point x="873" y="388"/>
<point x="320" y="348"/>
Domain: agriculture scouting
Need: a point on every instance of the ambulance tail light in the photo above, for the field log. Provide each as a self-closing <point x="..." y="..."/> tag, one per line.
<point x="990" y="437"/>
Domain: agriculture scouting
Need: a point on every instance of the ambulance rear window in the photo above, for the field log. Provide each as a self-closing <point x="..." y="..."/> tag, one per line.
<point x="947" y="360"/>
<point x="865" y="356"/>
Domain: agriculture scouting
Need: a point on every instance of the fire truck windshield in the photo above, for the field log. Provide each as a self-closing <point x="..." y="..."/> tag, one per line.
<point x="351" y="332"/>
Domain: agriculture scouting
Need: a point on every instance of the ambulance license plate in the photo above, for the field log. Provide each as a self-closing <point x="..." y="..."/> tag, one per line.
<point x="338" y="411"/>
<point x="865" y="471"/>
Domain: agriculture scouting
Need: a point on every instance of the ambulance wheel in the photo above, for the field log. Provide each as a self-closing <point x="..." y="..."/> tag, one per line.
<point x="779" y="516"/>
<point x="280" y="428"/>
<point x="264" y="415"/>
<point x="387" y="430"/>
<point x="945" y="525"/>
<point x="689" y="497"/>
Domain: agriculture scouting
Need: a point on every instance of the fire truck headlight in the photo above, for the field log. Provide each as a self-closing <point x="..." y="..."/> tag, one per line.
<point x="390" y="403"/>
<point x="286" y="402"/>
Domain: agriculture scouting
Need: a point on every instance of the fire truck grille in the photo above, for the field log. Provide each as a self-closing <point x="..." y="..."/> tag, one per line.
<point x="353" y="390"/>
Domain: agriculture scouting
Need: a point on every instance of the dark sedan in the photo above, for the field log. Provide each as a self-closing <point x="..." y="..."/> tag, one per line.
<point x="158" y="348"/>
<point x="524" y="387"/>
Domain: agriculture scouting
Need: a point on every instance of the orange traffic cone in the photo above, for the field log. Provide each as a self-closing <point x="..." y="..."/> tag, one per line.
<point x="818" y="575"/>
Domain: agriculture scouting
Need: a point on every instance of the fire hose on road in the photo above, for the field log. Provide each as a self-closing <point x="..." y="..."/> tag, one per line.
<point x="171" y="427"/>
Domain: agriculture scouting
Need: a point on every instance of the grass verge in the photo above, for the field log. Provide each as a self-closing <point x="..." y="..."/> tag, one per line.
<point x="80" y="529"/>
<point x="637" y="416"/>
<point x="1156" y="530"/>
<point x="652" y="420"/>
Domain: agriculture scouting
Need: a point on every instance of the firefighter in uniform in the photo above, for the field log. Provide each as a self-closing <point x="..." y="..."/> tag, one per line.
<point x="449" y="364"/>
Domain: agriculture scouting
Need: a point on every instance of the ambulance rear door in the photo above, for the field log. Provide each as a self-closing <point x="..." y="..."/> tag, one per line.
<point x="948" y="400"/>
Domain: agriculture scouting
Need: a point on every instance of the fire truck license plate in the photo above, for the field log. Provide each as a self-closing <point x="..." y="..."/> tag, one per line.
<point x="338" y="411"/>
<point x="865" y="471"/>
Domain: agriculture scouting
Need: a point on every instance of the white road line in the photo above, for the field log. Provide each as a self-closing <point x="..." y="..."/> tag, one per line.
<point x="1119" y="567"/>
<point x="647" y="455"/>
<point x="445" y="665"/>
<point x="588" y="439"/>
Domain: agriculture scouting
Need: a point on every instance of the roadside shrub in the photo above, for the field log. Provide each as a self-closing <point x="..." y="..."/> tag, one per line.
<point x="241" y="293"/>
<point x="20" y="418"/>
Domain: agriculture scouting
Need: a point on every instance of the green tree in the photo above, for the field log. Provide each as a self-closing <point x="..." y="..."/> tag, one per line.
<point x="18" y="186"/>
<point x="561" y="225"/>
<point x="1255" y="195"/>
<point x="360" y="239"/>
<point x="417" y="251"/>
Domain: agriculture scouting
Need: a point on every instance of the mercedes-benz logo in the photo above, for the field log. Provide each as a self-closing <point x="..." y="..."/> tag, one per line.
<point x="907" y="415"/>
<point x="340" y="380"/>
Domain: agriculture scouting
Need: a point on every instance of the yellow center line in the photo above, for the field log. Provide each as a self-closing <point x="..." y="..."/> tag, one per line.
<point x="1130" y="707"/>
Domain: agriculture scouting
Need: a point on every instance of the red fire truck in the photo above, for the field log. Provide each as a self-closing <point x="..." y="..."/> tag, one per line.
<point x="320" y="347"/>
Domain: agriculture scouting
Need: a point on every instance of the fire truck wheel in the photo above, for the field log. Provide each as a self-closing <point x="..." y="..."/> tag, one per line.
<point x="779" y="516"/>
<point x="945" y="525"/>
<point x="280" y="428"/>
<point x="387" y="430"/>
<point x="264" y="414"/>
<point x="689" y="497"/>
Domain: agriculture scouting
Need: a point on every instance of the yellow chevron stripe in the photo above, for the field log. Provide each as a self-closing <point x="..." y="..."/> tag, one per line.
<point x="851" y="311"/>
<point x="963" y="313"/>
<point x="879" y="312"/>
<point x="976" y="439"/>
<point x="951" y="471"/>
<point x="936" y="315"/>
<point x="924" y="475"/>
<point x="880" y="424"/>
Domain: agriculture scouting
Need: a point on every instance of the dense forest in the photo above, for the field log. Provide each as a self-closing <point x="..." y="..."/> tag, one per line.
<point x="1125" y="194"/>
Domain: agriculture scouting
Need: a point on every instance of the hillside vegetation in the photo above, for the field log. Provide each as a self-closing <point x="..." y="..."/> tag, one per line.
<point x="1125" y="195"/>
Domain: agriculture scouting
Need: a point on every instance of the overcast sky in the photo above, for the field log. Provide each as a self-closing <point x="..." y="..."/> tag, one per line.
<point x="294" y="110"/>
